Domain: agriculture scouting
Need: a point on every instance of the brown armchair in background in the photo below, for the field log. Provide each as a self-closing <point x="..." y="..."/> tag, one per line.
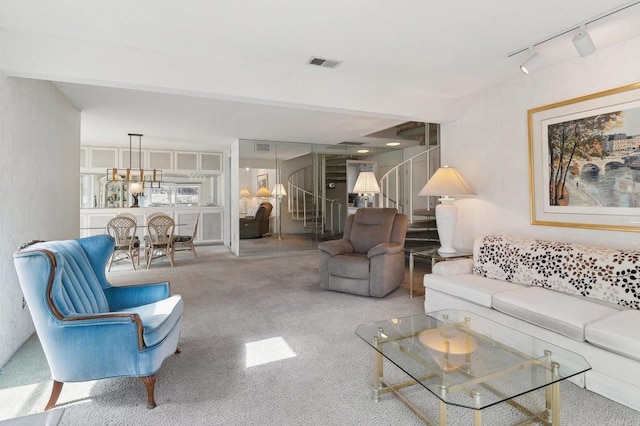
<point x="369" y="259"/>
<point x="258" y="225"/>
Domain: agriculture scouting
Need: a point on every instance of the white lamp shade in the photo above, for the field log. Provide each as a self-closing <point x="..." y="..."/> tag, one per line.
<point x="446" y="181"/>
<point x="245" y="193"/>
<point x="366" y="184"/>
<point x="278" y="190"/>
<point x="136" y="188"/>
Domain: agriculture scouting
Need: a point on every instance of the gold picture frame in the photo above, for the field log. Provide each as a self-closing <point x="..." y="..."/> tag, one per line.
<point x="584" y="161"/>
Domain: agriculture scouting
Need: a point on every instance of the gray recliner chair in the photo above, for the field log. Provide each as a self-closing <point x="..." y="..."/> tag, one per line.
<point x="258" y="225"/>
<point x="369" y="259"/>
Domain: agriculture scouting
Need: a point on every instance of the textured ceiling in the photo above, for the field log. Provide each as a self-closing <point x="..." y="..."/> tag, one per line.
<point x="400" y="49"/>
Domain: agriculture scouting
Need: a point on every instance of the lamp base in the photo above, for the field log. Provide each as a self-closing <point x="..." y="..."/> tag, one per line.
<point x="446" y="216"/>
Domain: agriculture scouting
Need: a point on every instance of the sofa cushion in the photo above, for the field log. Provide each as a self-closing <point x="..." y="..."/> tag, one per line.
<point x="562" y="313"/>
<point x="468" y="287"/>
<point x="618" y="333"/>
<point x="595" y="272"/>
<point x="158" y="318"/>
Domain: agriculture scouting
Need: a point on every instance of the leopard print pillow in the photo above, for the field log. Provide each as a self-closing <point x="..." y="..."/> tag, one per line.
<point x="601" y="273"/>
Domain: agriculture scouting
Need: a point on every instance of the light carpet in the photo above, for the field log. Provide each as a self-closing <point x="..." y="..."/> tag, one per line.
<point x="323" y="378"/>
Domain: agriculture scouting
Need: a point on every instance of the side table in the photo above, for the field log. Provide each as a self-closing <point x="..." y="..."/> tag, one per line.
<point x="433" y="254"/>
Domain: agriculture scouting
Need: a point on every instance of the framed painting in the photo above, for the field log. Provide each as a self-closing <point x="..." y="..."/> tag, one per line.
<point x="584" y="161"/>
<point x="263" y="181"/>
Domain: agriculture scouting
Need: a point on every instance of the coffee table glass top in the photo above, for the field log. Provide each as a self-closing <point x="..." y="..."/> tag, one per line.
<point x="467" y="360"/>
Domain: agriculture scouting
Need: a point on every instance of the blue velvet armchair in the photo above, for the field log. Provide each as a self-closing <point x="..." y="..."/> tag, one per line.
<point x="88" y="328"/>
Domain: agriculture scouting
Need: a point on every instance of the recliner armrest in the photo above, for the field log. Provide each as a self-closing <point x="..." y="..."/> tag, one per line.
<point x="136" y="295"/>
<point x="336" y="247"/>
<point x="384" y="248"/>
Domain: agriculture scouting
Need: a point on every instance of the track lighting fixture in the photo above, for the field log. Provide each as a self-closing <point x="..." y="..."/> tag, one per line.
<point x="530" y="63"/>
<point x="583" y="43"/>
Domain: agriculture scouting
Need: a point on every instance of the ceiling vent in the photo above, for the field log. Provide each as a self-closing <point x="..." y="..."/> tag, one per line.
<point x="326" y="63"/>
<point x="262" y="147"/>
<point x="352" y="143"/>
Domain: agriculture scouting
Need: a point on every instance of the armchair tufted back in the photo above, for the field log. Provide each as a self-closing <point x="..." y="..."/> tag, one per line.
<point x="372" y="226"/>
<point x="74" y="289"/>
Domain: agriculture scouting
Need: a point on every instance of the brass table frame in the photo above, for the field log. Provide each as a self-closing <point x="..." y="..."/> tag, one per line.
<point x="550" y="416"/>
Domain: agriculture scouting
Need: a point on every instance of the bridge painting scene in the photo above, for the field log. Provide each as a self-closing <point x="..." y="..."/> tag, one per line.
<point x="595" y="161"/>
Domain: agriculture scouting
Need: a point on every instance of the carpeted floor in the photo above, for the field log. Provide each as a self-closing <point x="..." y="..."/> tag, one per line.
<point x="236" y="308"/>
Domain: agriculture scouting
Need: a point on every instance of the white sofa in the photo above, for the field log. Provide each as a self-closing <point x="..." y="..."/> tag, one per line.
<point x="584" y="299"/>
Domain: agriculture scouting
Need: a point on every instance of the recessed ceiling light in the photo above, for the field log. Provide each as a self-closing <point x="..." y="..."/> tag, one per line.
<point x="393" y="143"/>
<point x="362" y="151"/>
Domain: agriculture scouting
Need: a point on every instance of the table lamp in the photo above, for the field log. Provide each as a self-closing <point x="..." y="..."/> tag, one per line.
<point x="367" y="186"/>
<point x="135" y="189"/>
<point x="244" y="194"/>
<point x="445" y="182"/>
<point x="263" y="194"/>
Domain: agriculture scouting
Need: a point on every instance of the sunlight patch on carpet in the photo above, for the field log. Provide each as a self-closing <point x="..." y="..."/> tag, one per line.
<point x="268" y="350"/>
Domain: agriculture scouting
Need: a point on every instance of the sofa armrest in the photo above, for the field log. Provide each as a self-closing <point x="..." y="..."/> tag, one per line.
<point x="136" y="295"/>
<point x="453" y="267"/>
<point x="384" y="248"/>
<point x="336" y="247"/>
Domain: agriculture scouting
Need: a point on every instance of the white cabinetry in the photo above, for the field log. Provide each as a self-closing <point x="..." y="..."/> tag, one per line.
<point x="137" y="160"/>
<point x="96" y="159"/>
<point x="160" y="160"/>
<point x="94" y="221"/>
<point x="211" y="225"/>
<point x="210" y="162"/>
<point x="186" y="162"/>
<point x="100" y="159"/>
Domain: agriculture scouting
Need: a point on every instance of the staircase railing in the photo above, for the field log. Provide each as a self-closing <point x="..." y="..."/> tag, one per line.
<point x="313" y="209"/>
<point x="400" y="186"/>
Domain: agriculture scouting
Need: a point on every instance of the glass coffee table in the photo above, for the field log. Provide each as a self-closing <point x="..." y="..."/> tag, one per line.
<point x="466" y="360"/>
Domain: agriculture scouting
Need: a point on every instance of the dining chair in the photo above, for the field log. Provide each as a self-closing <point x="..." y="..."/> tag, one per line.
<point x="160" y="230"/>
<point x="150" y="215"/>
<point x="129" y="215"/>
<point x="127" y="246"/>
<point x="185" y="242"/>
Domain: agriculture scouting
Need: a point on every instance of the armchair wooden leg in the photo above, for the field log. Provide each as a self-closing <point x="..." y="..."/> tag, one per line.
<point x="55" y="393"/>
<point x="150" y="383"/>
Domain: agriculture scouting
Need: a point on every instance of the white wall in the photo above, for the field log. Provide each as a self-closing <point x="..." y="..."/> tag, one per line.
<point x="488" y="145"/>
<point x="39" y="187"/>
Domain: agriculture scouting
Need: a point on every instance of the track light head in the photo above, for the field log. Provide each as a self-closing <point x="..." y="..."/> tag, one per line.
<point x="528" y="65"/>
<point x="583" y="43"/>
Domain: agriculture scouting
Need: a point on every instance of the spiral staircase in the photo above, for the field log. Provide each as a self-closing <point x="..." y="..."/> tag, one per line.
<point x="309" y="205"/>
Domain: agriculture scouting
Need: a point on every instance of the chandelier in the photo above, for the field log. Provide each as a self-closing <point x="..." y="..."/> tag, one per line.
<point x="136" y="179"/>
